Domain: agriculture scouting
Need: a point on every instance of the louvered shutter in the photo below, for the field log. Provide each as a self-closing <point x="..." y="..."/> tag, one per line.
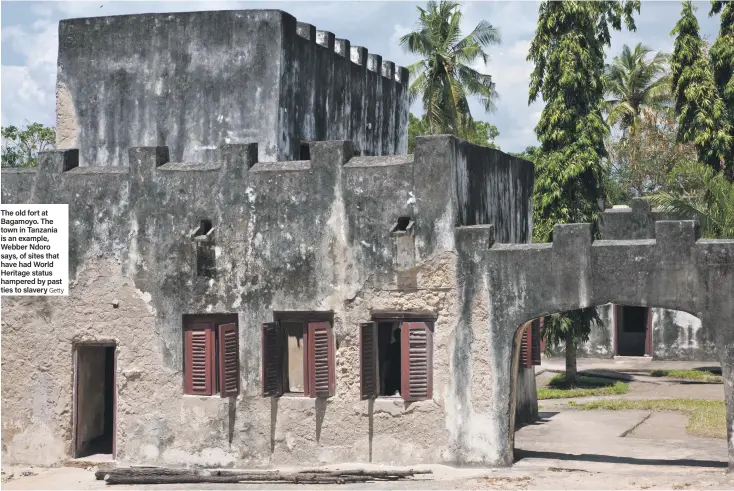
<point x="416" y="344"/>
<point x="321" y="359"/>
<point x="526" y="360"/>
<point x="272" y="360"/>
<point x="368" y="365"/>
<point x="535" y="337"/>
<point x="199" y="359"/>
<point x="229" y="360"/>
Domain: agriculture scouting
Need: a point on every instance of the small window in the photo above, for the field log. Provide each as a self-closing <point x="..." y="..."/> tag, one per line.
<point x="211" y="355"/>
<point x="298" y="356"/>
<point x="396" y="359"/>
<point x="403" y="226"/>
<point x="203" y="238"/>
<point x="305" y="151"/>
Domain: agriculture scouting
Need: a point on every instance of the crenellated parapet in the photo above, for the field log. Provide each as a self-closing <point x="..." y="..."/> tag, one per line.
<point x="240" y="194"/>
<point x="236" y="76"/>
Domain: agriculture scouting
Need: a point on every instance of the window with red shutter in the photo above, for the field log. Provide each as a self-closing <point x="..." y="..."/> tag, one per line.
<point x="368" y="361"/>
<point x="272" y="359"/>
<point x="526" y="347"/>
<point x="417" y="361"/>
<point x="321" y="360"/>
<point x="229" y="360"/>
<point x="211" y="355"/>
<point x="298" y="355"/>
<point x="198" y="361"/>
<point x="535" y="337"/>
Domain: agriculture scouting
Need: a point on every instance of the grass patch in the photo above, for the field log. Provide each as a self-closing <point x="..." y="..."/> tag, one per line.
<point x="559" y="388"/>
<point x="697" y="375"/>
<point x="705" y="418"/>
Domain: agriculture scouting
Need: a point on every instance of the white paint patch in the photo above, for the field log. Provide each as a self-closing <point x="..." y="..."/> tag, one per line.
<point x="411" y="198"/>
<point x="210" y="308"/>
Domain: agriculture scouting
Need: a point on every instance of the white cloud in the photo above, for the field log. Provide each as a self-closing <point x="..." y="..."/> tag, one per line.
<point x="24" y="100"/>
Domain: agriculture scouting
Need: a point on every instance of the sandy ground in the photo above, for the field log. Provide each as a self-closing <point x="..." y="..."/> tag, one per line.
<point x="565" y="449"/>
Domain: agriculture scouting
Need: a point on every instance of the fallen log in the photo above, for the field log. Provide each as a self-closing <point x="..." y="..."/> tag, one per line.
<point x="256" y="478"/>
<point x="143" y="476"/>
<point x="144" y="471"/>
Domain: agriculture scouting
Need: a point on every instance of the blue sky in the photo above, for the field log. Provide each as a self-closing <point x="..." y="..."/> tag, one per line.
<point x="29" y="46"/>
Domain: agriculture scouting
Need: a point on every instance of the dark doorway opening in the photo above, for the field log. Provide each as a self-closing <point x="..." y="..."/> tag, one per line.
<point x="94" y="409"/>
<point x="632" y="330"/>
<point x="388" y="352"/>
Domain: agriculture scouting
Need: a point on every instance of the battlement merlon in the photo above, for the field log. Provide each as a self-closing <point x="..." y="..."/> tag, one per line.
<point x="238" y="75"/>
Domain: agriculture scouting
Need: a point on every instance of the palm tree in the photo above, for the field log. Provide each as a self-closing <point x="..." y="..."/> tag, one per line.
<point x="443" y="77"/>
<point x="698" y="192"/>
<point x="634" y="84"/>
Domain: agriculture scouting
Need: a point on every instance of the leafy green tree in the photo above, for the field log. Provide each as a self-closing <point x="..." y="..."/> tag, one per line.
<point x="697" y="192"/>
<point x="443" y="78"/>
<point x="639" y="162"/>
<point x="21" y="145"/>
<point x="702" y="118"/>
<point x="480" y="132"/>
<point x="722" y="58"/>
<point x="568" y="53"/>
<point x="633" y="82"/>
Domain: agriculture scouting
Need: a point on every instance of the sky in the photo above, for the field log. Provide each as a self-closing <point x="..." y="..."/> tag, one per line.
<point x="30" y="45"/>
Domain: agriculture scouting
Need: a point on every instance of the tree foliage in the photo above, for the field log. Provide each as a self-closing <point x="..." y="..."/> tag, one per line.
<point x="639" y="162"/>
<point x="722" y="59"/>
<point x="568" y="53"/>
<point x="480" y="132"/>
<point x="21" y="145"/>
<point x="697" y="192"/>
<point x="633" y="82"/>
<point x="444" y="78"/>
<point x="702" y="117"/>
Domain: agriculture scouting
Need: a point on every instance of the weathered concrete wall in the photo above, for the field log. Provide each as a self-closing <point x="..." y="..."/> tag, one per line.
<point x="676" y="335"/>
<point x="289" y="236"/>
<point x="676" y="270"/>
<point x="193" y="81"/>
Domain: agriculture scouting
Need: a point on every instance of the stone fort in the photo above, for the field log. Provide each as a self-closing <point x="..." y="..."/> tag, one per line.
<point x="259" y="274"/>
<point x="248" y="241"/>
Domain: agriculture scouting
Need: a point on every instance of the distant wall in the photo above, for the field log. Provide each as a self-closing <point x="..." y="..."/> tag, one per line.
<point x="194" y="81"/>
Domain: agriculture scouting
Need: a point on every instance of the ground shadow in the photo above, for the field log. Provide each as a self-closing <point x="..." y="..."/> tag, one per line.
<point x="608" y="374"/>
<point x="711" y="370"/>
<point x="611" y="459"/>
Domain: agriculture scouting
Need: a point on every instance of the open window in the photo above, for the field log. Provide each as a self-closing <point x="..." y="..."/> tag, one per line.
<point x="396" y="357"/>
<point x="211" y="355"/>
<point x="298" y="355"/>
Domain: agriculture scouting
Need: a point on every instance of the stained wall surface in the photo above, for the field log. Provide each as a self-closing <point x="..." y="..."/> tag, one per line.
<point x="308" y="235"/>
<point x="676" y="335"/>
<point x="197" y="80"/>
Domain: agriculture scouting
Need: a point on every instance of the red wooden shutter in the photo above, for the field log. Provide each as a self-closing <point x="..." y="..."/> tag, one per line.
<point x="417" y="361"/>
<point x="229" y="360"/>
<point x="199" y="359"/>
<point x="535" y="337"/>
<point x="368" y="365"/>
<point x="272" y="360"/>
<point x="321" y="360"/>
<point x="526" y="356"/>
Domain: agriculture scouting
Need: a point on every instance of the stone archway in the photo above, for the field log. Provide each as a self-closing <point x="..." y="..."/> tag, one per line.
<point x="676" y="270"/>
